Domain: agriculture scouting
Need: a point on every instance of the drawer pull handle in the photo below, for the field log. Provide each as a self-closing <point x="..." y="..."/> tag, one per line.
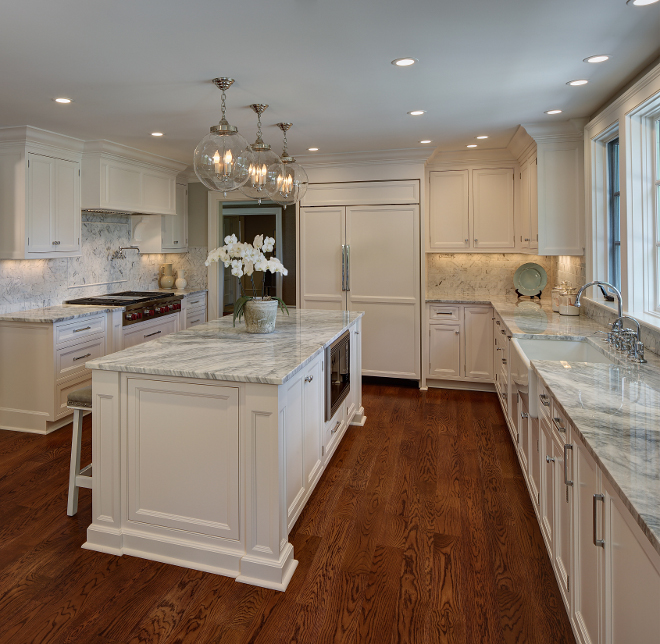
<point x="195" y="302"/>
<point x="81" y="357"/>
<point x="194" y="321"/>
<point x="309" y="378"/>
<point x="524" y="415"/>
<point x="566" y="448"/>
<point x="598" y="542"/>
<point x="176" y="242"/>
<point x="544" y="400"/>
<point x="85" y="328"/>
<point x="444" y="313"/>
<point x="56" y="243"/>
<point x="154" y="333"/>
<point x="557" y="422"/>
<point x="549" y="459"/>
<point x="332" y="431"/>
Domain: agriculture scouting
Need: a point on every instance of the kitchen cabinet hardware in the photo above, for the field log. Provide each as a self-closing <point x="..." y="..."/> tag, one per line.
<point x="457" y="332"/>
<point x="503" y="360"/>
<point x="498" y="323"/>
<point x="502" y="331"/>
<point x="444" y="313"/>
<point x="85" y="328"/>
<point x="476" y="241"/>
<point x="56" y="243"/>
<point x="549" y="459"/>
<point x="524" y="414"/>
<point x="343" y="267"/>
<point x="544" y="400"/>
<point x="336" y="427"/>
<point x="598" y="542"/>
<point x="467" y="241"/>
<point x="493" y="319"/>
<point x="81" y="357"/>
<point x="356" y="333"/>
<point x="175" y="242"/>
<point x="309" y="378"/>
<point x="557" y="423"/>
<point x="566" y="448"/>
<point x="195" y="321"/>
<point x="195" y="302"/>
<point x="348" y="267"/>
<point x="154" y="333"/>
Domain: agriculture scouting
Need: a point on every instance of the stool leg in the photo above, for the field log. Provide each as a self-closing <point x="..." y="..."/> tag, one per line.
<point x="74" y="468"/>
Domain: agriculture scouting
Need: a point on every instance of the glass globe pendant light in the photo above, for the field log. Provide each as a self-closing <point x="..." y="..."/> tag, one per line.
<point x="220" y="157"/>
<point x="258" y="157"/>
<point x="286" y="181"/>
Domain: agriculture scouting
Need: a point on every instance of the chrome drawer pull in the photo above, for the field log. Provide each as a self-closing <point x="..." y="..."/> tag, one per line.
<point x="81" y="357"/>
<point x="195" y="302"/>
<point x="194" y="321"/>
<point x="154" y="333"/>
<point x="598" y="542"/>
<point x="557" y="422"/>
<point x="309" y="378"/>
<point x="544" y="400"/>
<point x="566" y="448"/>
<point x="83" y="329"/>
<point x="332" y="431"/>
<point x="444" y="313"/>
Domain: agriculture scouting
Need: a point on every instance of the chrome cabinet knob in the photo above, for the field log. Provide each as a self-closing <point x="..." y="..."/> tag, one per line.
<point x="309" y="378"/>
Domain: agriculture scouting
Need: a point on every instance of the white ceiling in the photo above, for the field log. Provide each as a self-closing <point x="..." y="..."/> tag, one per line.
<point x="138" y="66"/>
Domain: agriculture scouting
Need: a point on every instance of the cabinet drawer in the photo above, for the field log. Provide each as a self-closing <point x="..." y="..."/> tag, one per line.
<point x="70" y="360"/>
<point x="195" y="316"/>
<point x="559" y="423"/>
<point x="196" y="300"/>
<point x="154" y="330"/>
<point x="444" y="313"/>
<point x="79" y="330"/>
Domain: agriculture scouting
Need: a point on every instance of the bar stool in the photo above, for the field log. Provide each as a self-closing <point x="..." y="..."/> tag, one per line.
<point x="80" y="401"/>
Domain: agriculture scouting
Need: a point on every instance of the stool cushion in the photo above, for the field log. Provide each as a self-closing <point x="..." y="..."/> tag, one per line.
<point x="80" y="398"/>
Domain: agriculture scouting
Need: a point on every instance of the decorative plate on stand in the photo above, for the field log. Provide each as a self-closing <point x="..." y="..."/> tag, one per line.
<point x="530" y="279"/>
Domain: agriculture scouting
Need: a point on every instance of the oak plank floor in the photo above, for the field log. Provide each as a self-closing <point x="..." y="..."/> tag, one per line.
<point x="421" y="530"/>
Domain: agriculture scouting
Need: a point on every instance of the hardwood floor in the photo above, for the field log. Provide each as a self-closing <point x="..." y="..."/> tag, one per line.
<point x="421" y="530"/>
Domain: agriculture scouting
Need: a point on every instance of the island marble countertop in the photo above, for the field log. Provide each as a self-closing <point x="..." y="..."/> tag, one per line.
<point x="219" y="351"/>
<point x="615" y="409"/>
<point x="52" y="314"/>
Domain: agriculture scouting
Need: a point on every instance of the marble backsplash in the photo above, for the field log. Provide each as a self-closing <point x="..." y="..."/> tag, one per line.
<point x="35" y="283"/>
<point x="480" y="275"/>
<point x="571" y="269"/>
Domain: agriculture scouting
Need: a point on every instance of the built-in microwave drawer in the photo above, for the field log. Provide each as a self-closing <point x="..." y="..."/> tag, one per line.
<point x="78" y="330"/>
<point x="444" y="313"/>
<point x="70" y="360"/>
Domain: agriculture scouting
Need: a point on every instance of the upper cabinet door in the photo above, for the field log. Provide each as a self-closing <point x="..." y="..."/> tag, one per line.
<point x="525" y="233"/>
<point x="533" y="204"/>
<point x="322" y="236"/>
<point x="175" y="227"/>
<point x="41" y="203"/>
<point x="492" y="191"/>
<point x="66" y="225"/>
<point x="449" y="210"/>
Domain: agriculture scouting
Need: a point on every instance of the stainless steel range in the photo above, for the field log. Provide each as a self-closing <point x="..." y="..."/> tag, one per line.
<point x="140" y="305"/>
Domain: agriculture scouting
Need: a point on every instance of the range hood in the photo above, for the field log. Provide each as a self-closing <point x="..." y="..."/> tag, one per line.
<point x="118" y="180"/>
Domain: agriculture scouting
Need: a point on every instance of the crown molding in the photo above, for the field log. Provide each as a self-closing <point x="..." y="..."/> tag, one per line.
<point x="124" y="153"/>
<point x="405" y="155"/>
<point x="557" y="131"/>
<point x="469" y="157"/>
<point x="28" y="134"/>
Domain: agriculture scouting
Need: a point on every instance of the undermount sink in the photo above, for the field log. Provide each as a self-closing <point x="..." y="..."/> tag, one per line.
<point x="523" y="350"/>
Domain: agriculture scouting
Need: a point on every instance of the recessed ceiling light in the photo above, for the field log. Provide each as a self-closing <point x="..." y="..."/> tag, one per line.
<point x="417" y="112"/>
<point x="473" y="145"/>
<point x="483" y="136"/>
<point x="156" y="134"/>
<point x="426" y="141"/>
<point x="63" y="100"/>
<point x="313" y="149"/>
<point x="576" y="83"/>
<point x="641" y="3"/>
<point x="601" y="58"/>
<point x="404" y="62"/>
<point x="553" y="112"/>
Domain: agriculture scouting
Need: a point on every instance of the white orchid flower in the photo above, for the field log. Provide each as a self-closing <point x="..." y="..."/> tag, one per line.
<point x="230" y="239"/>
<point x="258" y="241"/>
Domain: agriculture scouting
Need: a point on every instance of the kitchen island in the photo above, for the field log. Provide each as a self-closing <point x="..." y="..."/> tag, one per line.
<point x="208" y="443"/>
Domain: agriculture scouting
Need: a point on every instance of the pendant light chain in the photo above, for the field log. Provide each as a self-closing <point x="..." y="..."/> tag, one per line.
<point x="223" y="105"/>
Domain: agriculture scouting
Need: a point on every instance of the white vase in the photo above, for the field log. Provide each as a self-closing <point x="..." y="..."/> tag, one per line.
<point x="260" y="315"/>
<point x="181" y="281"/>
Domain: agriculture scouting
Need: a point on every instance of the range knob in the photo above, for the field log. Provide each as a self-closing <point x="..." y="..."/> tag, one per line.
<point x="130" y="316"/>
<point x="148" y="313"/>
<point x="170" y="307"/>
<point x="177" y="306"/>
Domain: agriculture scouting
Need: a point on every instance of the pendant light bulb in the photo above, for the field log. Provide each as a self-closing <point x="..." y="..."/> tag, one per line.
<point x="220" y="157"/>
<point x="286" y="182"/>
<point x="259" y="157"/>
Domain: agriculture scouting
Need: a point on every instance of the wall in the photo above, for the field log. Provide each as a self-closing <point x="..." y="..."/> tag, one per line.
<point x="29" y="284"/>
<point x="570" y="268"/>
<point x="481" y="275"/>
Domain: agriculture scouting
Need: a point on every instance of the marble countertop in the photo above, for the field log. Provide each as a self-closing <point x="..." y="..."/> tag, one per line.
<point x="52" y="314"/>
<point x="615" y="409"/>
<point x="219" y="351"/>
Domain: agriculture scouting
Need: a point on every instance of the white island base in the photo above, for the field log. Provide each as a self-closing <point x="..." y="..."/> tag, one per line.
<point x="212" y="474"/>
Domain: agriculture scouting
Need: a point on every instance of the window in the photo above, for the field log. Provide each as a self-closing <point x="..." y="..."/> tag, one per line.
<point x="613" y="212"/>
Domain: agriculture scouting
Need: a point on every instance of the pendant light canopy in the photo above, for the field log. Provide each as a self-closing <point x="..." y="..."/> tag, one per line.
<point x="259" y="157"/>
<point x="220" y="160"/>
<point x="286" y="181"/>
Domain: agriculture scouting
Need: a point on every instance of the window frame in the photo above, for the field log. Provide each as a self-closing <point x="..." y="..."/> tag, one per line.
<point x="613" y="165"/>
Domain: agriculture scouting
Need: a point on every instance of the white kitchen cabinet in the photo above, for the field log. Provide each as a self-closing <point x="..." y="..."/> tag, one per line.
<point x="563" y="495"/>
<point x="449" y="206"/>
<point x="460" y="342"/>
<point x="175" y="227"/>
<point x="39" y="195"/>
<point x="524" y="421"/>
<point x="345" y="263"/>
<point x="193" y="310"/>
<point x="551" y="157"/>
<point x="548" y="458"/>
<point x="492" y="191"/>
<point x="471" y="210"/>
<point x="41" y="363"/>
<point x="120" y="179"/>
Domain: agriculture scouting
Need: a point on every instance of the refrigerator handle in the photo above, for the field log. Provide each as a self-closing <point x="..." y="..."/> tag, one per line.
<point x="348" y="267"/>
<point x="343" y="267"/>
